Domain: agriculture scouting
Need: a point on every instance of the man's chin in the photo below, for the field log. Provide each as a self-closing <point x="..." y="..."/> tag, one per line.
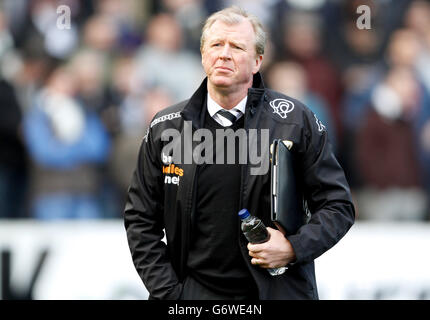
<point x="221" y="82"/>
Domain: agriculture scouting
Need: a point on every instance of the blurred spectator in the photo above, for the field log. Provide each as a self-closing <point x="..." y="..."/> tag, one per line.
<point x="90" y="69"/>
<point x="328" y="11"/>
<point x="13" y="157"/>
<point x="190" y="15"/>
<point x="360" y="54"/>
<point x="58" y="43"/>
<point x="290" y="78"/>
<point x="403" y="50"/>
<point x="163" y="62"/>
<point x="135" y="109"/>
<point x="136" y="114"/>
<point x="6" y="40"/>
<point x="269" y="56"/>
<point x="360" y="46"/>
<point x="417" y="19"/>
<point x="359" y="82"/>
<point x="387" y="154"/>
<point x="260" y="8"/>
<point x="125" y="96"/>
<point x="156" y="99"/>
<point x="127" y="16"/>
<point x="130" y="110"/>
<point x="363" y="55"/>
<point x="17" y="13"/>
<point x="424" y="155"/>
<point x="302" y="43"/>
<point x="23" y="70"/>
<point x="29" y="71"/>
<point x="67" y="144"/>
<point x="351" y="46"/>
<point x="100" y="33"/>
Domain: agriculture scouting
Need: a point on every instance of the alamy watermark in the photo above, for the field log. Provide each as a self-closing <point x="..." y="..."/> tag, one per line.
<point x="183" y="149"/>
<point x="364" y="20"/>
<point x="64" y="18"/>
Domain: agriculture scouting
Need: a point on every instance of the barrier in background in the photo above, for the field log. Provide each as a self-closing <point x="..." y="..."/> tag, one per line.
<point x="91" y="260"/>
<point x="378" y="261"/>
<point x="77" y="260"/>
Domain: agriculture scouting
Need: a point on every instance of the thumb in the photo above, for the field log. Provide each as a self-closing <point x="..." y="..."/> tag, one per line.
<point x="272" y="231"/>
<point x="279" y="227"/>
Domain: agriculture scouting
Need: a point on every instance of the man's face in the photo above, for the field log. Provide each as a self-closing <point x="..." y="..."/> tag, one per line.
<point x="228" y="55"/>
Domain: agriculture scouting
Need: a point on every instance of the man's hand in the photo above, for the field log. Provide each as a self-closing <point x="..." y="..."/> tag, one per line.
<point x="275" y="253"/>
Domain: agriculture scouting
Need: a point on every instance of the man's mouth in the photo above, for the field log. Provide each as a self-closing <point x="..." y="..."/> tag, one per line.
<point x="223" y="68"/>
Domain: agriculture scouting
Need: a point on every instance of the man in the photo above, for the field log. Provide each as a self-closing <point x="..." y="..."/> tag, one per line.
<point x="205" y="255"/>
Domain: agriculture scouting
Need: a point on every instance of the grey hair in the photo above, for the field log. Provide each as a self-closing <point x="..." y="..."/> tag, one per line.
<point x="233" y="15"/>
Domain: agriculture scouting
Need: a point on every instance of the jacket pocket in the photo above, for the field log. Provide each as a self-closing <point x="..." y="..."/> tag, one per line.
<point x="299" y="284"/>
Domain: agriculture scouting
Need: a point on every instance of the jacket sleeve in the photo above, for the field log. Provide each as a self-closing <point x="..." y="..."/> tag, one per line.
<point x="144" y="224"/>
<point x="327" y="194"/>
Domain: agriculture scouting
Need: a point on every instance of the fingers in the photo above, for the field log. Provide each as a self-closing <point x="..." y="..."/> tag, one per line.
<point x="256" y="251"/>
<point x="261" y="263"/>
<point x="258" y="262"/>
<point x="258" y="259"/>
<point x="272" y="253"/>
<point x="264" y="254"/>
<point x="260" y="256"/>
<point x="256" y="247"/>
<point x="257" y="256"/>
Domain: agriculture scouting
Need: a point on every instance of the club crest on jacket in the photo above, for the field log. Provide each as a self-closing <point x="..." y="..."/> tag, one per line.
<point x="282" y="107"/>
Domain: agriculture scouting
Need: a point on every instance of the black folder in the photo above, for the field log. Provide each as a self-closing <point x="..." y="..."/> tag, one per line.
<point x="287" y="205"/>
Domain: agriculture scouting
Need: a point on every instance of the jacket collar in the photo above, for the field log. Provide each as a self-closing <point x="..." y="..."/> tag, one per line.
<point x="194" y="109"/>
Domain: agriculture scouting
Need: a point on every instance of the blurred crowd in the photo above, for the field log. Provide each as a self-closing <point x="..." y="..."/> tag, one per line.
<point x="75" y="102"/>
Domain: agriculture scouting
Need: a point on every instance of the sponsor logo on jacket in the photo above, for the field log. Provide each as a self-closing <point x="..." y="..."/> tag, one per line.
<point x="172" y="173"/>
<point x="321" y="127"/>
<point x="169" y="116"/>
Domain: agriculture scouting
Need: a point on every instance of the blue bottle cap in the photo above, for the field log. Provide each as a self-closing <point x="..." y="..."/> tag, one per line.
<point x="243" y="214"/>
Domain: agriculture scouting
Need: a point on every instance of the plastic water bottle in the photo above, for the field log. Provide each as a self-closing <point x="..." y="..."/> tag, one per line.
<point x="255" y="232"/>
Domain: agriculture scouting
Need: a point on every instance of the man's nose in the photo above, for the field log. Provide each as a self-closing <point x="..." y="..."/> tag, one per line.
<point x="225" y="53"/>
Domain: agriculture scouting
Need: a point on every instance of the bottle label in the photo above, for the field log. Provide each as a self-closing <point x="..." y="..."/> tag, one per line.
<point x="258" y="234"/>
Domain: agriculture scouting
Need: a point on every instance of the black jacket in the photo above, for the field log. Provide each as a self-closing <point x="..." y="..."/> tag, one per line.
<point x="154" y="205"/>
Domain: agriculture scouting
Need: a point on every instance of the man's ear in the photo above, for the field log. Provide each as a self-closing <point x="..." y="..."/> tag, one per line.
<point x="257" y="65"/>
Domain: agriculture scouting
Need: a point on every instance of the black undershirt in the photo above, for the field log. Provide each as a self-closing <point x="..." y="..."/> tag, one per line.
<point x="215" y="259"/>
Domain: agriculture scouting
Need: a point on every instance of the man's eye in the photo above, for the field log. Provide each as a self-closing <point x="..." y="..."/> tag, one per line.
<point x="237" y="47"/>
